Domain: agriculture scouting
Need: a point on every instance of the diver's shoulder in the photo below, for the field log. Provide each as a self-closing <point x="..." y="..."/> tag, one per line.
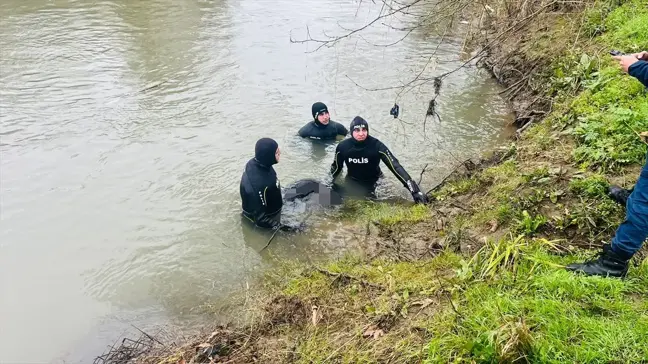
<point x="346" y="143"/>
<point x="374" y="140"/>
<point x="307" y="129"/>
<point x="248" y="165"/>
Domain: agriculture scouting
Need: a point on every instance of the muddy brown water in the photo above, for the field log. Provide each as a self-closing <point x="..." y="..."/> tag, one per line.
<point x="125" y="126"/>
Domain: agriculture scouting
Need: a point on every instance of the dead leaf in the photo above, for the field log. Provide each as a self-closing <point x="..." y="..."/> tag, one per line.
<point x="370" y="330"/>
<point x="494" y="226"/>
<point x="182" y="361"/>
<point x="315" y="318"/>
<point x="212" y="335"/>
<point x="373" y="331"/>
<point x="424" y="303"/>
<point x="644" y="136"/>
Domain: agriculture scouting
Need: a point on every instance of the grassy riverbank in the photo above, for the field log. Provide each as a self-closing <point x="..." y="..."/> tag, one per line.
<point x="478" y="275"/>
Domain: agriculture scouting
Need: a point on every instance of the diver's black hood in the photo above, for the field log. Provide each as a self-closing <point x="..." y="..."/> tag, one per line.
<point x="264" y="151"/>
<point x="358" y="123"/>
<point x="316" y="109"/>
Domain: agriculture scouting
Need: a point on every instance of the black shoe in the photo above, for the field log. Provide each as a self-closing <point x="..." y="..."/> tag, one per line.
<point x="619" y="195"/>
<point x="608" y="264"/>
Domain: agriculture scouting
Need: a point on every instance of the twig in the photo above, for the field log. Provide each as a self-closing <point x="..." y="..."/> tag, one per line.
<point x="335" y="39"/>
<point x="511" y="87"/>
<point x="270" y="240"/>
<point x="446" y="177"/>
<point x="346" y="276"/>
<point x="338" y="349"/>
<point x="389" y="44"/>
<point x="519" y="132"/>
<point x="275" y="233"/>
<point x="156" y="85"/>
<point x="634" y="131"/>
<point x="423" y="171"/>
<point x="454" y="308"/>
<point x="147" y="335"/>
<point x="341" y="309"/>
<point x="465" y="208"/>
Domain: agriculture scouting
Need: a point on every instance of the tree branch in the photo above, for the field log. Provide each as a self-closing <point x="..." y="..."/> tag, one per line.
<point x="335" y="39"/>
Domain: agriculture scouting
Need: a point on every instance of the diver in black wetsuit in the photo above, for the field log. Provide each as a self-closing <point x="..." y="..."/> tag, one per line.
<point x="260" y="188"/>
<point x="362" y="154"/>
<point x="322" y="127"/>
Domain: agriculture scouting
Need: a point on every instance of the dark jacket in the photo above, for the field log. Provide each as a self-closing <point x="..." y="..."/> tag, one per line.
<point x="315" y="130"/>
<point x="639" y="70"/>
<point x="261" y="194"/>
<point x="363" y="159"/>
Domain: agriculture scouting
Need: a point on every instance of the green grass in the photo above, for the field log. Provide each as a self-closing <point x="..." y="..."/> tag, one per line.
<point x="627" y="26"/>
<point x="530" y="307"/>
<point x="605" y="117"/>
<point x="458" y="187"/>
<point x="499" y="201"/>
<point x="512" y="300"/>
<point x="385" y="213"/>
<point x="593" y="186"/>
<point x="541" y="136"/>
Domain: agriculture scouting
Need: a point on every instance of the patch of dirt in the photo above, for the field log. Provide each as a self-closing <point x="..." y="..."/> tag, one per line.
<point x="287" y="310"/>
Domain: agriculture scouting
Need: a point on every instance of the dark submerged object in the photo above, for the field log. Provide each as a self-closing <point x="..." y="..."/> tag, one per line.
<point x="318" y="193"/>
<point x="394" y="111"/>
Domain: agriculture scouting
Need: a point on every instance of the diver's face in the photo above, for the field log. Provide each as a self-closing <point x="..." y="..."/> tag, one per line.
<point x="278" y="154"/>
<point x="324" y="117"/>
<point x="360" y="134"/>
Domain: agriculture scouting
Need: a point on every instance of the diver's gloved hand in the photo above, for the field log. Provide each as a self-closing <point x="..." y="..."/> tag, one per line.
<point x="417" y="195"/>
<point x="420" y="197"/>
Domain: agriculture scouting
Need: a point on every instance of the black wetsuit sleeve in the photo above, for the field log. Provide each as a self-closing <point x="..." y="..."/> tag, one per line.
<point x="337" y="165"/>
<point x="639" y="70"/>
<point x="341" y="129"/>
<point x="392" y="163"/>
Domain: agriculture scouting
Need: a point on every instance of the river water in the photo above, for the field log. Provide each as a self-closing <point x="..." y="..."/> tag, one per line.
<point x="125" y="126"/>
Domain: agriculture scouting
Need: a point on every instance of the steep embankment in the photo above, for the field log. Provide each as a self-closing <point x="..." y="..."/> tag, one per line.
<point x="478" y="275"/>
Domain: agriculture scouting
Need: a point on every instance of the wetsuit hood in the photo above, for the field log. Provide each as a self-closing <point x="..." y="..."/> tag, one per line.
<point x="316" y="109"/>
<point x="358" y="123"/>
<point x="264" y="151"/>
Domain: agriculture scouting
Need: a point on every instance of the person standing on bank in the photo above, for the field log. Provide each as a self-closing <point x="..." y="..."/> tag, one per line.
<point x="632" y="233"/>
<point x="260" y="188"/>
<point x="362" y="154"/>
<point x="635" y="65"/>
<point x="322" y="127"/>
